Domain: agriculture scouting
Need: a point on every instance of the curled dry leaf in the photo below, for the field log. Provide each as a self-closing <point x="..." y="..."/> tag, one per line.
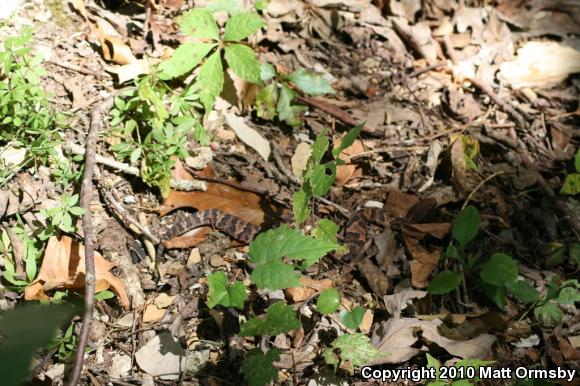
<point x="63" y="267"/>
<point x="309" y="287"/>
<point x="349" y="170"/>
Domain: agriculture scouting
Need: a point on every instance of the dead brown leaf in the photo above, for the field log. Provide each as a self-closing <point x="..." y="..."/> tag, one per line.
<point x="347" y="171"/>
<point x="63" y="267"/>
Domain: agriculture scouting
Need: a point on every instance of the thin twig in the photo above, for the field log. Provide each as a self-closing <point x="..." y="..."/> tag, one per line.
<point x="85" y="202"/>
<point x="470" y="196"/>
<point x="78" y="69"/>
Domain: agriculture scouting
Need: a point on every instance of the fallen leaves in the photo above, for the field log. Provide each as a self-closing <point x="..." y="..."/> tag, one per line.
<point x="63" y="267"/>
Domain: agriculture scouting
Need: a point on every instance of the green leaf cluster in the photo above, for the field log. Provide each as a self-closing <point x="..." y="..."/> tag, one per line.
<point x="465" y="228"/>
<point x="318" y="176"/>
<point x="276" y="98"/>
<point x="268" y="249"/>
<point x="433" y="363"/>
<point x="207" y="49"/>
<point x="26" y="120"/>
<point x="280" y="318"/>
<point x="352" y="351"/>
<point x="258" y="368"/>
<point x="571" y="184"/>
<point x="32" y="253"/>
<point x="220" y="293"/>
<point x="150" y="124"/>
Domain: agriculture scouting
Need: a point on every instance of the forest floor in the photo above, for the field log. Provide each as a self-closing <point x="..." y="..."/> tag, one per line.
<point x="406" y="174"/>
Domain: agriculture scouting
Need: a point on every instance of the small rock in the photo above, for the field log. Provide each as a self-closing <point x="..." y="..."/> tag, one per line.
<point x="194" y="257"/>
<point x="217" y="261"/>
<point x="152" y="314"/>
<point x="120" y="366"/>
<point x="164" y="300"/>
<point x="162" y="357"/>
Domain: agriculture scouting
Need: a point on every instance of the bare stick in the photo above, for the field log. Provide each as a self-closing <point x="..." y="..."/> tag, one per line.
<point x="85" y="201"/>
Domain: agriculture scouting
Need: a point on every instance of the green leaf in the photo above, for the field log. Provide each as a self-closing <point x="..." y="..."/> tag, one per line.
<point x="433" y="363"/>
<point x="568" y="295"/>
<point x="310" y="83"/>
<point x="577" y="161"/>
<point x="300" y="203"/>
<point x="266" y="102"/>
<point x="575" y="254"/>
<point x="283" y="241"/>
<point x="199" y="23"/>
<point x="444" y="283"/>
<point x="466" y="225"/>
<point x="242" y="60"/>
<point x="524" y="291"/>
<point x="288" y="112"/>
<point x="210" y="81"/>
<point x="571" y="184"/>
<point x="348" y="139"/>
<point x="327" y="231"/>
<point x="549" y="314"/>
<point x="354" y="318"/>
<point x="319" y="146"/>
<point x="258" y="368"/>
<point x="500" y="270"/>
<point x="280" y="318"/>
<point x="267" y="71"/>
<point x="261" y="4"/>
<point x="104" y="295"/>
<point x="353" y="350"/>
<point x="275" y="275"/>
<point x="25" y="330"/>
<point x="328" y="301"/>
<point x="495" y="294"/>
<point x="220" y="293"/>
<point x="322" y="178"/>
<point x="242" y="25"/>
<point x="184" y="59"/>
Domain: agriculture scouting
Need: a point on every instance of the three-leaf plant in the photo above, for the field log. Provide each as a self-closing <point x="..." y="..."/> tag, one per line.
<point x="206" y="43"/>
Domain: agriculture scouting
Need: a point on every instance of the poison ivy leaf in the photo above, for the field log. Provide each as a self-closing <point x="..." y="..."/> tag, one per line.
<point x="258" y="368"/>
<point x="500" y="270"/>
<point x="210" y="81"/>
<point x="577" y="161"/>
<point x="184" y="59"/>
<point x="352" y="350"/>
<point x="283" y="241"/>
<point x="300" y="201"/>
<point x="433" y="363"/>
<point x="571" y="184"/>
<point x="348" y="139"/>
<point x="267" y="71"/>
<point x="549" y="314"/>
<point x="266" y="101"/>
<point x="444" y="283"/>
<point x="242" y="60"/>
<point x="328" y="301"/>
<point x="466" y="225"/>
<point x="241" y="25"/>
<point x="220" y="293"/>
<point x="24" y="331"/>
<point x="199" y="23"/>
<point x="104" y="295"/>
<point x="275" y="275"/>
<point x="524" y="291"/>
<point x="310" y="83"/>
<point x="353" y="318"/>
<point x="280" y="318"/>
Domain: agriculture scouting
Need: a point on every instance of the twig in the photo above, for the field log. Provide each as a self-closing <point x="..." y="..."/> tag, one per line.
<point x="78" y="69"/>
<point x="85" y="201"/>
<point x="335" y="111"/>
<point x="470" y="196"/>
<point x="125" y="168"/>
<point x="131" y="223"/>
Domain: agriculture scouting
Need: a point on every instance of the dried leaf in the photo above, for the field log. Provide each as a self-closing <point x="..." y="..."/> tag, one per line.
<point x="63" y="267"/>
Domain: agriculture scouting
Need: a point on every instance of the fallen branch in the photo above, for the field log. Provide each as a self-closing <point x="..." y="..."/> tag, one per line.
<point x="85" y="202"/>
